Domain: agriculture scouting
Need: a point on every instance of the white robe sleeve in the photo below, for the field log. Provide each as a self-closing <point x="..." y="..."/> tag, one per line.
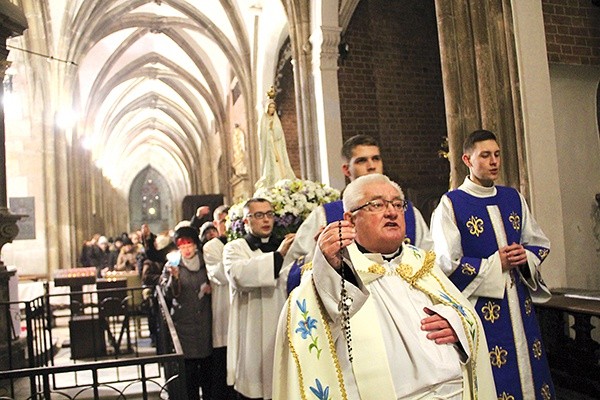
<point x="304" y="242"/>
<point x="247" y="270"/>
<point x="455" y="322"/>
<point x="213" y="258"/>
<point x="423" y="235"/>
<point x="448" y="248"/>
<point x="532" y="234"/>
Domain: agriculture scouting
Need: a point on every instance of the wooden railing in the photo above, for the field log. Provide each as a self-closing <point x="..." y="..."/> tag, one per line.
<point x="570" y="324"/>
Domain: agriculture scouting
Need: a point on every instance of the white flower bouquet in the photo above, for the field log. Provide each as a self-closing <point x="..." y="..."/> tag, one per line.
<point x="292" y="200"/>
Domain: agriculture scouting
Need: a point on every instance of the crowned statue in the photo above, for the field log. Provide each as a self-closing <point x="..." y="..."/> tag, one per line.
<point x="275" y="164"/>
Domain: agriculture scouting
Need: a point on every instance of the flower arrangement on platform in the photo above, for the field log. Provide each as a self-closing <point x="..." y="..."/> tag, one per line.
<point x="292" y="200"/>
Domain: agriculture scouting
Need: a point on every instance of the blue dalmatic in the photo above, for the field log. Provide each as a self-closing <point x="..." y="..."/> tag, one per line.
<point x="334" y="211"/>
<point x="479" y="241"/>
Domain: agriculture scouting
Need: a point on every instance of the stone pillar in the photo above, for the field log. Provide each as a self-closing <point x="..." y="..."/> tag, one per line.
<point x="12" y="22"/>
<point x="298" y="13"/>
<point x="479" y="69"/>
<point x="325" y="39"/>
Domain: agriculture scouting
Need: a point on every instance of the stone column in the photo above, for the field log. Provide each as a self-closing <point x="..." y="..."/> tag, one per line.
<point x="325" y="39"/>
<point x="12" y="23"/>
<point x="298" y="13"/>
<point x="479" y="69"/>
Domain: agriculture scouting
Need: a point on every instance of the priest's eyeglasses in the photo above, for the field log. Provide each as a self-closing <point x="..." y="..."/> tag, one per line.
<point x="380" y="205"/>
<point x="261" y="215"/>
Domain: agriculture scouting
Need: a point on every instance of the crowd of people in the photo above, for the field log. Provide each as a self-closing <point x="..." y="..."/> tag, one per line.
<point x="364" y="301"/>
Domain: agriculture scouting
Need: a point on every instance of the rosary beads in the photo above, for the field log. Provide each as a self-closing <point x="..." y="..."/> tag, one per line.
<point x="346" y="301"/>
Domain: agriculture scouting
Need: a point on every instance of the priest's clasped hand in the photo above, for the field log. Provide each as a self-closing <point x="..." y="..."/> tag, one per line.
<point x="438" y="328"/>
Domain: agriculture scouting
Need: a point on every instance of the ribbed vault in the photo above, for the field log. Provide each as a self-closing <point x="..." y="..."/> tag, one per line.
<point x="153" y="82"/>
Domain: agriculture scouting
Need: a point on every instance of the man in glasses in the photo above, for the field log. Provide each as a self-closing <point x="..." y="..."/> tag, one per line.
<point x="377" y="318"/>
<point x="362" y="157"/>
<point x="253" y="265"/>
<point x="490" y="246"/>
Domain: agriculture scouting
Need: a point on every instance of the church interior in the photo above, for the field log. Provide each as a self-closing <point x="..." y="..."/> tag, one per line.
<point x="116" y="111"/>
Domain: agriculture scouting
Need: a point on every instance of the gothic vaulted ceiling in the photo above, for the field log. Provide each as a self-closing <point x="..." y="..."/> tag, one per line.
<point x="153" y="78"/>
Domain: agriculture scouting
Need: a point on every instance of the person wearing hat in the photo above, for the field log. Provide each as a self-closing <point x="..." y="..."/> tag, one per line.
<point x="101" y="256"/>
<point x="208" y="231"/>
<point x="187" y="289"/>
<point x="127" y="259"/>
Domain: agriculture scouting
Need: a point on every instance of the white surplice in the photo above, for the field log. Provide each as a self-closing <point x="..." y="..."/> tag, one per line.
<point x="257" y="300"/>
<point x="220" y="293"/>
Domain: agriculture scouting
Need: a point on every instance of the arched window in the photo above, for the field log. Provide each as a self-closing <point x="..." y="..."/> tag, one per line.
<point x="150" y="200"/>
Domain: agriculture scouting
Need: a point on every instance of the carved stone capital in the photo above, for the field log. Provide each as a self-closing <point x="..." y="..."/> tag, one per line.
<point x="325" y="42"/>
<point x="8" y="229"/>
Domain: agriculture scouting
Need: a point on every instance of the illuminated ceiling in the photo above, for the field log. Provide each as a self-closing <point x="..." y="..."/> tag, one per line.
<point x="153" y="78"/>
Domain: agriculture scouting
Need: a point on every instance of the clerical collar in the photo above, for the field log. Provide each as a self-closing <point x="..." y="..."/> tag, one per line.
<point x="265" y="244"/>
<point x="386" y="257"/>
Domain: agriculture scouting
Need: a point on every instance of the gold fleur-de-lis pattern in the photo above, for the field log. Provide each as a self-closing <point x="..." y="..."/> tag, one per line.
<point x="543" y="253"/>
<point x="467" y="269"/>
<point x="475" y="226"/>
<point x="545" y="391"/>
<point x="515" y="220"/>
<point x="498" y="356"/>
<point x="506" y="396"/>
<point x="537" y="349"/>
<point x="528" y="305"/>
<point x="491" y="311"/>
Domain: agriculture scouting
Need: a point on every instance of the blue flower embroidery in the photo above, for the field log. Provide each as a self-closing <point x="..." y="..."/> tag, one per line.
<point x="302" y="306"/>
<point x="460" y="309"/>
<point x="455" y="305"/>
<point x="322" y="394"/>
<point x="306" y="326"/>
